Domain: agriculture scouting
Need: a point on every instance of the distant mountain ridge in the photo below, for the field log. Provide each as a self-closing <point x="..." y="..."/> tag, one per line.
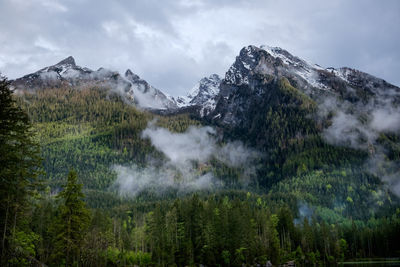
<point x="211" y="93"/>
<point x="67" y="73"/>
<point x="135" y="89"/>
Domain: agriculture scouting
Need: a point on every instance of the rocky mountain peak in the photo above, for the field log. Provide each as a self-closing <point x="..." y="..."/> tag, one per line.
<point x="131" y="76"/>
<point x="276" y="62"/>
<point x="282" y="54"/>
<point x="128" y="72"/>
<point x="67" y="61"/>
<point x="203" y="95"/>
<point x="207" y="87"/>
<point x="245" y="62"/>
<point x="257" y="71"/>
<point x="67" y="73"/>
<point x="213" y="78"/>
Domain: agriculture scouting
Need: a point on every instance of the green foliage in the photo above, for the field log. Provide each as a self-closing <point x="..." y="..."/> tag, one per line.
<point x="220" y="230"/>
<point x="115" y="257"/>
<point x="287" y="129"/>
<point x="71" y="222"/>
<point x="350" y="213"/>
<point x="334" y="190"/>
<point x="23" y="245"/>
<point x="90" y="130"/>
<point x="178" y="123"/>
<point x="20" y="168"/>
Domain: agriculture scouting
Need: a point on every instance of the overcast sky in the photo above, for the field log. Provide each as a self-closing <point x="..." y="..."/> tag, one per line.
<point x="174" y="43"/>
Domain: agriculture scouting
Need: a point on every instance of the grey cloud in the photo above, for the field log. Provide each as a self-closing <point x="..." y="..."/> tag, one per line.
<point x="173" y="44"/>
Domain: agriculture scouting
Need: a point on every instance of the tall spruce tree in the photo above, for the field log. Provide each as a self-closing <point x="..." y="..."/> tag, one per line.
<point x="19" y="171"/>
<point x="72" y="222"/>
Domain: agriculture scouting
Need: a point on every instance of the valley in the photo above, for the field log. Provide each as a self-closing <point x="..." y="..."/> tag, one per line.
<point x="280" y="160"/>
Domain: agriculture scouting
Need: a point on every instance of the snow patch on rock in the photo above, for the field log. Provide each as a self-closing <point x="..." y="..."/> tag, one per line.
<point x="203" y="94"/>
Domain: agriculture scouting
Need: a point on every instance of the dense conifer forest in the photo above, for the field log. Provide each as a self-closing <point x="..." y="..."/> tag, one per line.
<point x="307" y="201"/>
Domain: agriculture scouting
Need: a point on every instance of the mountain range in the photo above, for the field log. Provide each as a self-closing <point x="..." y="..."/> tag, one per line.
<point x="136" y="90"/>
<point x="310" y="153"/>
<point x="350" y="107"/>
<point x="269" y="99"/>
<point x="252" y="64"/>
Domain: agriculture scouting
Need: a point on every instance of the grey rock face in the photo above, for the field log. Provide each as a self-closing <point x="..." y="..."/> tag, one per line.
<point x="250" y="76"/>
<point x="67" y="73"/>
<point x="203" y="95"/>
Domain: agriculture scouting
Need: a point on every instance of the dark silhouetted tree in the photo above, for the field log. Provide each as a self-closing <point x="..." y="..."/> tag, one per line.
<point x="19" y="170"/>
<point x="72" y="222"/>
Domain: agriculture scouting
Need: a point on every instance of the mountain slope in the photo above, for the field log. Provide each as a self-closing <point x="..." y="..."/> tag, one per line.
<point x="305" y="117"/>
<point x="291" y="111"/>
<point x="67" y="74"/>
<point x="256" y="65"/>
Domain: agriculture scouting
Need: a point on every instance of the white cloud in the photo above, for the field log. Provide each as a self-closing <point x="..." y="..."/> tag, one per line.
<point x="45" y="44"/>
<point x="54" y="5"/>
<point x="183" y="152"/>
<point x="386" y="119"/>
<point x="197" y="144"/>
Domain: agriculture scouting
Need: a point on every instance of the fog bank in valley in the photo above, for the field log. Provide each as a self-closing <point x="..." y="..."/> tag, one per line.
<point x="186" y="165"/>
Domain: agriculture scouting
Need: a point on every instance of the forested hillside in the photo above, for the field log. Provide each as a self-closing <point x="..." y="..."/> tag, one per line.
<point x="306" y="201"/>
<point x="90" y="130"/>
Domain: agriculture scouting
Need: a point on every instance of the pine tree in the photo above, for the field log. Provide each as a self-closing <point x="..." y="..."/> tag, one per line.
<point x="20" y="168"/>
<point x="72" y="221"/>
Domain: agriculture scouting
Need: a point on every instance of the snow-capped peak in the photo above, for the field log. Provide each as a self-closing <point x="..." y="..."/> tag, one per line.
<point x="273" y="61"/>
<point x="65" y="69"/>
<point x="288" y="58"/>
<point x="207" y="85"/>
<point x="67" y="73"/>
<point x="67" y="61"/>
<point x="206" y="88"/>
<point x="131" y="76"/>
<point x="307" y="71"/>
<point x="203" y="94"/>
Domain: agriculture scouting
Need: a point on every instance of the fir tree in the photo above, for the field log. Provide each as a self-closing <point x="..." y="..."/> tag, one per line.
<point x="19" y="171"/>
<point x="72" y="221"/>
